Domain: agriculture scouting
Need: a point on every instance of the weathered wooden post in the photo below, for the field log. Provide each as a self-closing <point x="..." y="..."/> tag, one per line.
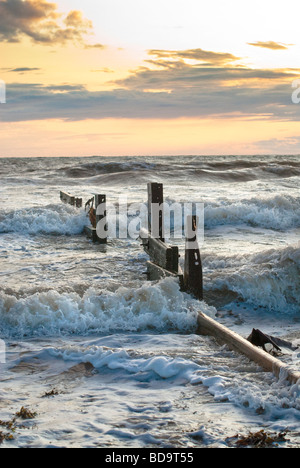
<point x="98" y="229"/>
<point x="155" y="210"/>
<point x="164" y="259"/>
<point x="193" y="274"/>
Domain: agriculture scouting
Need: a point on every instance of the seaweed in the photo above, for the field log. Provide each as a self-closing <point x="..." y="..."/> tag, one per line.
<point x="51" y="393"/>
<point x="11" y="425"/>
<point x="25" y="413"/>
<point x="5" y="436"/>
<point x="260" y="439"/>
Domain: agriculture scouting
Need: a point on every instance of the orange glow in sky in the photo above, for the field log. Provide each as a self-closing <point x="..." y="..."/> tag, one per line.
<point x="134" y="78"/>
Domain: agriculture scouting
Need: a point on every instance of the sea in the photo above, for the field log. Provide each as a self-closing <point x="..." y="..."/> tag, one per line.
<point x="104" y="358"/>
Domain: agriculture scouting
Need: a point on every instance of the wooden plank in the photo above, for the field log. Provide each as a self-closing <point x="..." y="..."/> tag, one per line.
<point x="174" y="259"/>
<point x="70" y="199"/>
<point x="155" y="210"/>
<point x="160" y="253"/>
<point x="208" y="326"/>
<point x="193" y="274"/>
<point x="155" y="272"/>
<point x="67" y="198"/>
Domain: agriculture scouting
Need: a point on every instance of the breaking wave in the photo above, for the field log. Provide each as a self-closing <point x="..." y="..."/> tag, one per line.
<point x="279" y="212"/>
<point x="51" y="219"/>
<point x="268" y="279"/>
<point x="160" y="307"/>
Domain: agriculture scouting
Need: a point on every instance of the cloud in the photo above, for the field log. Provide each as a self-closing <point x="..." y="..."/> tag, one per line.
<point x="103" y="70"/>
<point x="206" y="57"/>
<point x="270" y="45"/>
<point x="168" y="90"/>
<point x="172" y="72"/>
<point x="75" y="103"/>
<point x="42" y="23"/>
<point x="24" y="70"/>
<point x="94" y="46"/>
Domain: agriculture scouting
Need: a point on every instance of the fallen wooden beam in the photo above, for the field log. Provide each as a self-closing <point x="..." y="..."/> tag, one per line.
<point x="208" y="326"/>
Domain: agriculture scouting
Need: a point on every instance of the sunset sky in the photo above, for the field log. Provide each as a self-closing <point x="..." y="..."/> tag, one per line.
<point x="130" y="77"/>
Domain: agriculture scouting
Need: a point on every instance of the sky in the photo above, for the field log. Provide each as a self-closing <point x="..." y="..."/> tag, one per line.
<point x="167" y="77"/>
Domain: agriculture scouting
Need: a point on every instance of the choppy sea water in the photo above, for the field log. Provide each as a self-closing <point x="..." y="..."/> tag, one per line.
<point x="121" y="355"/>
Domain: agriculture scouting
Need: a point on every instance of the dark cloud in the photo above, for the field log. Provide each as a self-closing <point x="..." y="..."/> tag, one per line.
<point x="176" y="75"/>
<point x="270" y="45"/>
<point x="172" y="89"/>
<point x="41" y="22"/>
<point x="173" y="72"/>
<point x="75" y="103"/>
<point x="24" y="70"/>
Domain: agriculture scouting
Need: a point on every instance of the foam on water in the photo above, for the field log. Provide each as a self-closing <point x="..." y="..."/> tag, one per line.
<point x="268" y="279"/>
<point x="159" y="366"/>
<point x="65" y="302"/>
<point x="273" y="398"/>
<point x="279" y="212"/>
<point x="159" y="307"/>
<point x="51" y="219"/>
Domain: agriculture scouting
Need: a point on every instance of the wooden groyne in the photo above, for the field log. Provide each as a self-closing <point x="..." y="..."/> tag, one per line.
<point x="164" y="261"/>
<point x="96" y="212"/>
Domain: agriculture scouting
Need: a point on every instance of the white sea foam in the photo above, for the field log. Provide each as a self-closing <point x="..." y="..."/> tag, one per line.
<point x="268" y="279"/>
<point x="51" y="219"/>
<point x="115" y="359"/>
<point x="266" y="394"/>
<point x="279" y="212"/>
<point x="155" y="382"/>
<point x="158" y="307"/>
